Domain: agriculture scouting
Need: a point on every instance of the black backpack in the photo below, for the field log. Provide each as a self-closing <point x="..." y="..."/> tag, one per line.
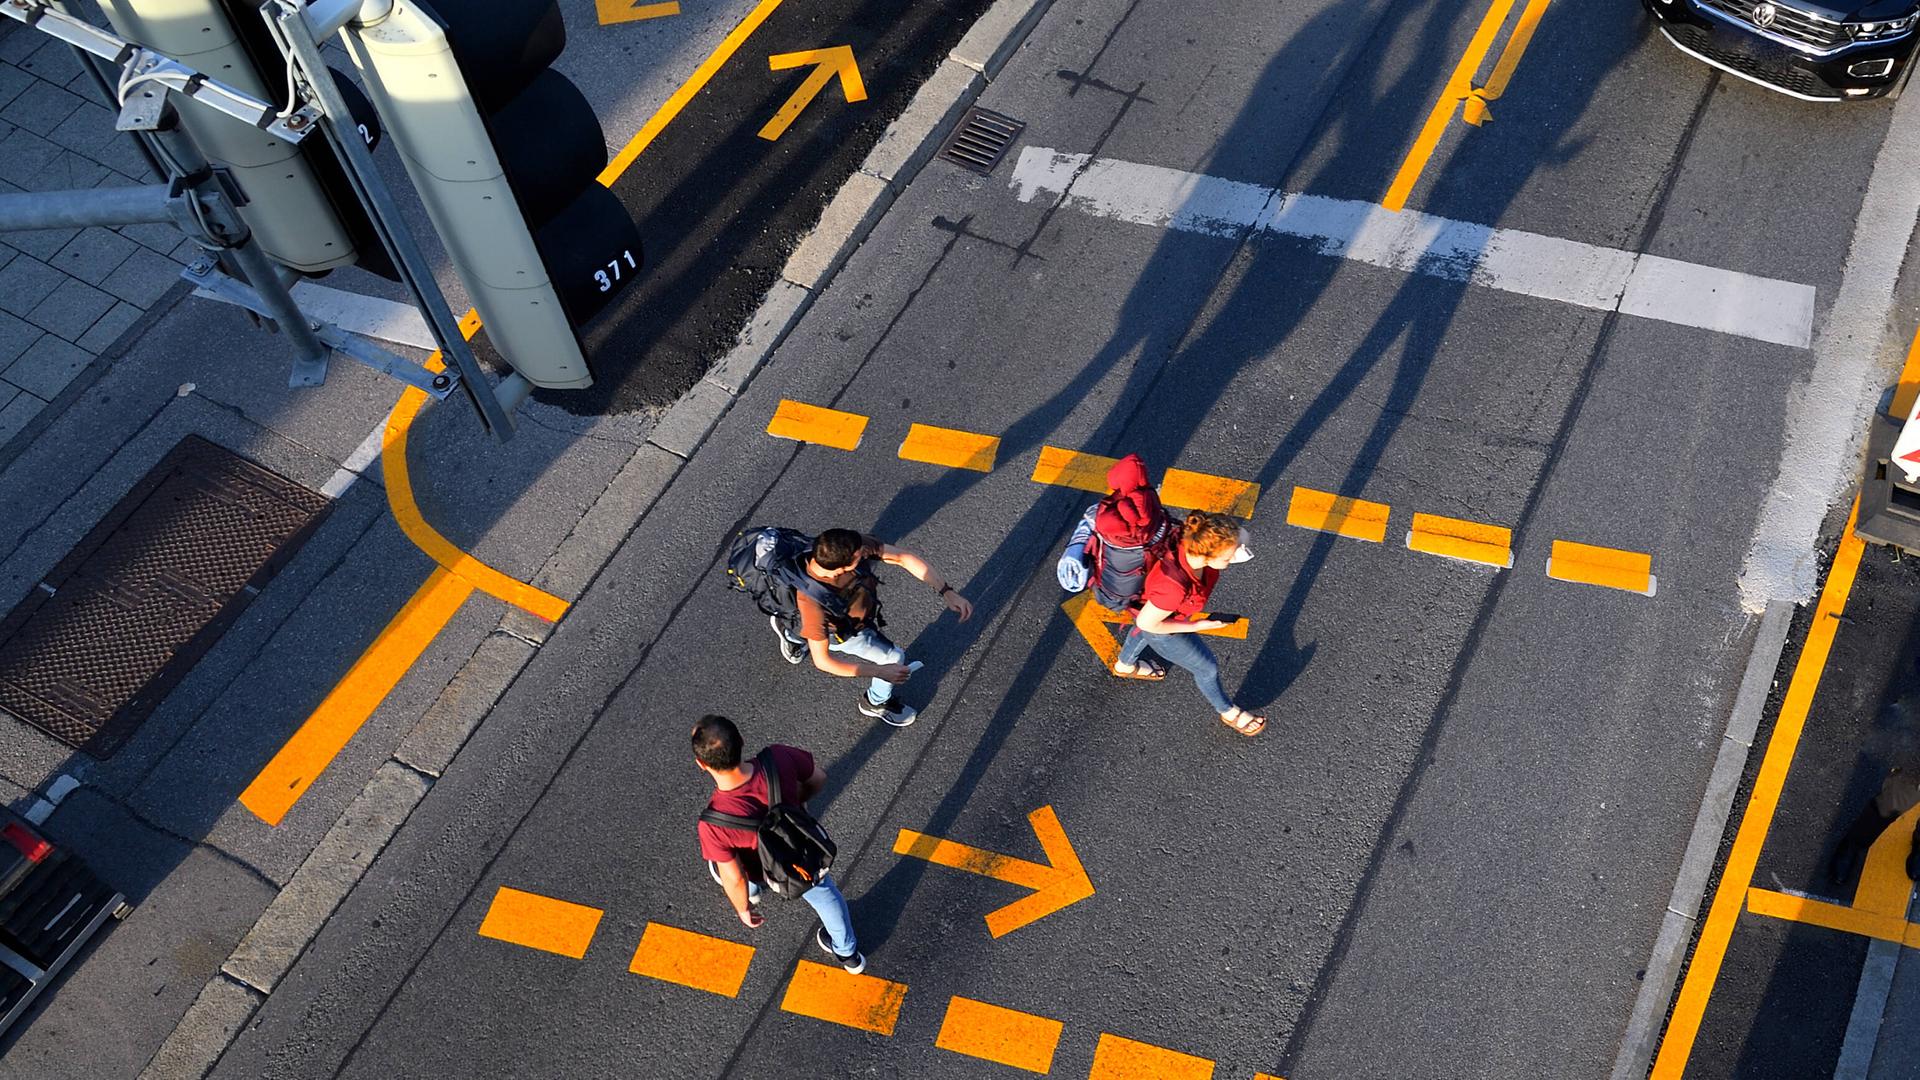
<point x="795" y="850"/>
<point x="768" y="563"/>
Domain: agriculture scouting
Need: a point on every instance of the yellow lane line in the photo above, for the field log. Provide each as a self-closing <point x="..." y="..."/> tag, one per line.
<point x="950" y="447"/>
<point x="680" y="956"/>
<point x="621" y="11"/>
<point x="1884" y="886"/>
<point x="1609" y="568"/>
<point x="1071" y="468"/>
<point x="1458" y="538"/>
<point x="327" y="731"/>
<point x="1475" y="110"/>
<point x="855" y="1001"/>
<point x="1459" y="85"/>
<point x="1116" y="1058"/>
<point x="1737" y="876"/>
<point x="1203" y="491"/>
<point x="1909" y="388"/>
<point x="806" y="423"/>
<point x="1003" y="1036"/>
<point x="695" y="83"/>
<point x="540" y="922"/>
<point x="1805" y="909"/>
<point x="1326" y="512"/>
<point x="393" y="466"/>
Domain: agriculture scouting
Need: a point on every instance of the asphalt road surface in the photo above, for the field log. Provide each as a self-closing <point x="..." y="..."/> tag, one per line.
<point x="1448" y="854"/>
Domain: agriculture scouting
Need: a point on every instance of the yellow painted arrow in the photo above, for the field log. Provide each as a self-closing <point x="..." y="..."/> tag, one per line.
<point x="1058" y="882"/>
<point x="1092" y="620"/>
<point x="827" y="63"/>
<point x="619" y="11"/>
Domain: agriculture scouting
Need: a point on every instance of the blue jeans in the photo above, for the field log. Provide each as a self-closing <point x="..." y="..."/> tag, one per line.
<point x="1187" y="651"/>
<point x="871" y="646"/>
<point x="826" y="901"/>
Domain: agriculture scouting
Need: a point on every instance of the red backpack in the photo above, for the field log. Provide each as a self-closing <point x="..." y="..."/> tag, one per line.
<point x="1130" y="531"/>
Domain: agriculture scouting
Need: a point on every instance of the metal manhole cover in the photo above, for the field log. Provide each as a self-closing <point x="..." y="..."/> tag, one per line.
<point x="981" y="140"/>
<point x="97" y="645"/>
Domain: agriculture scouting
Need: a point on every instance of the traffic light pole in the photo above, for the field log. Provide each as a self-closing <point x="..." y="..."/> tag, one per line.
<point x="293" y="28"/>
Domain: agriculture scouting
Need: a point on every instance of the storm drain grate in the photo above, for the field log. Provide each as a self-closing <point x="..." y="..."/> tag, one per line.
<point x="981" y="140"/>
<point x="97" y="645"/>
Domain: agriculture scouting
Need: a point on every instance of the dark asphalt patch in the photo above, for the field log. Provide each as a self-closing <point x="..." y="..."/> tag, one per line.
<point x="1785" y="990"/>
<point x="720" y="208"/>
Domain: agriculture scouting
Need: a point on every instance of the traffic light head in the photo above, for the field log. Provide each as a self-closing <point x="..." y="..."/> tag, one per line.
<point x="506" y="155"/>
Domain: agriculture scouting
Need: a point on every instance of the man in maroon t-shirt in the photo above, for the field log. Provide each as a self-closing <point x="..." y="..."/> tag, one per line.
<point x="733" y="854"/>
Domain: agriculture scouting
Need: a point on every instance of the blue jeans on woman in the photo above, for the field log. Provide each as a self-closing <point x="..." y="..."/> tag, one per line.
<point x="1187" y="651"/>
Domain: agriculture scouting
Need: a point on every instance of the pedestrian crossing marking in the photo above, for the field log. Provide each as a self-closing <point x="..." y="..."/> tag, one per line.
<point x="540" y="922"/>
<point x="1204" y="491"/>
<point x="855" y="1001"/>
<point x="801" y="422"/>
<point x="1609" y="568"/>
<point x="1071" y="468"/>
<point x="1003" y="1036"/>
<point x="1458" y="538"/>
<point x="680" y="956"/>
<point x="950" y="447"/>
<point x="1123" y="1059"/>
<point x="1324" y="511"/>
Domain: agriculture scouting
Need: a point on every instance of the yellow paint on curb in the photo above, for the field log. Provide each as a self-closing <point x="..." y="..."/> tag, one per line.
<point x="540" y="922"/>
<point x="1003" y="1036"/>
<point x="1203" y="491"/>
<point x="950" y="447"/>
<point x="1458" y="538"/>
<point x="680" y="956"/>
<point x="806" y="423"/>
<point x="1609" y="568"/>
<point x="1071" y="468"/>
<point x="332" y="724"/>
<point x="1116" y="1058"/>
<point x="855" y="1001"/>
<point x="1326" y="512"/>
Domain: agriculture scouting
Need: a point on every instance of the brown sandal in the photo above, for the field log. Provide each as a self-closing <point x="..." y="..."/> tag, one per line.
<point x="1248" y="724"/>
<point x="1143" y="669"/>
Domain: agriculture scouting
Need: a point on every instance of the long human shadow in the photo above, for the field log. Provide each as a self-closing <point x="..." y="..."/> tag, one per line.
<point x="1198" y="369"/>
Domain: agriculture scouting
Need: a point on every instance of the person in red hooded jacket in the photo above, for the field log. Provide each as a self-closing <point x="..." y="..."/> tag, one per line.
<point x="1117" y="540"/>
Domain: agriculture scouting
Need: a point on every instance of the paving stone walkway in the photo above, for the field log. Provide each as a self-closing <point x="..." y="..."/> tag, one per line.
<point x="66" y="295"/>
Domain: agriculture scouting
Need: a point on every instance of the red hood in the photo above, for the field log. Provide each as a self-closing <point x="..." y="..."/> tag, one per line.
<point x="1131" y="514"/>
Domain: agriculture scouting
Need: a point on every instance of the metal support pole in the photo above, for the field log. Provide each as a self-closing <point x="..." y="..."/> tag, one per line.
<point x="311" y="355"/>
<point x="80" y="209"/>
<point x="304" y="51"/>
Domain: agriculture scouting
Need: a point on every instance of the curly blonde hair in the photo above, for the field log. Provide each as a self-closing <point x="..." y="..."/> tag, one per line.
<point x="1207" y="535"/>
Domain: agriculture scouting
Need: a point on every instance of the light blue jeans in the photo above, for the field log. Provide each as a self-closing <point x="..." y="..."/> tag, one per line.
<point x="827" y="903"/>
<point x="1184" y="650"/>
<point x="873" y="647"/>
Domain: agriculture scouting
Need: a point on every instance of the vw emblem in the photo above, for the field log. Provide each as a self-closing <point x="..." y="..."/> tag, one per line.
<point x="1764" y="14"/>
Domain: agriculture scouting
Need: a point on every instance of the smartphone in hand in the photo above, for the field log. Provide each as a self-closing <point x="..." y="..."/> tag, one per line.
<point x="1223" y="617"/>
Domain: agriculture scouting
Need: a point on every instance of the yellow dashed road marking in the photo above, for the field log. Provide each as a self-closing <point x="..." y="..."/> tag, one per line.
<point x="1004" y="1036"/>
<point x="812" y="424"/>
<point x="1123" y="1059"/>
<point x="619" y="11"/>
<point x="1071" y="468"/>
<point x="1326" y="512"/>
<point x="855" y="1001"/>
<point x="682" y="956"/>
<point x="1457" y="538"/>
<point x="1609" y="568"/>
<point x="540" y="922"/>
<point x="950" y="447"/>
<point x="1202" y="491"/>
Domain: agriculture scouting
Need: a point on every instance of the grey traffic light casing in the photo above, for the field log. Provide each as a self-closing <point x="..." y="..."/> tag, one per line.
<point x="288" y="209"/>
<point x="409" y="69"/>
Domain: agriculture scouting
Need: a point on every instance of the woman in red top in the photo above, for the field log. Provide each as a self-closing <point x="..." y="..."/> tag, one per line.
<point x="1176" y="596"/>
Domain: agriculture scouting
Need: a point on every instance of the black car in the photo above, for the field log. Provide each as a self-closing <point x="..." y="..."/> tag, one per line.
<point x="1815" y="51"/>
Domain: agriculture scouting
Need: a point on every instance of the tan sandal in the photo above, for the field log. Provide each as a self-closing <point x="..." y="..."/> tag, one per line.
<point x="1246" y="723"/>
<point x="1143" y="669"/>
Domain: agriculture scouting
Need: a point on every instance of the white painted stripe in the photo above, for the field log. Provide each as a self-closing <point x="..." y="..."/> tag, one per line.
<point x="368" y="316"/>
<point x="1826" y="416"/>
<point x="1510" y="260"/>
<point x="356" y="464"/>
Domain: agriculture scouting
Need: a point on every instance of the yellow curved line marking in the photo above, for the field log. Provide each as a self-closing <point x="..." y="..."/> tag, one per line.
<point x="393" y="466"/>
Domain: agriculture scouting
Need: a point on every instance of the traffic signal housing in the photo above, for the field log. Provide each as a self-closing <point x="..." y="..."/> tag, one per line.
<point x="298" y="202"/>
<point x="506" y="155"/>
